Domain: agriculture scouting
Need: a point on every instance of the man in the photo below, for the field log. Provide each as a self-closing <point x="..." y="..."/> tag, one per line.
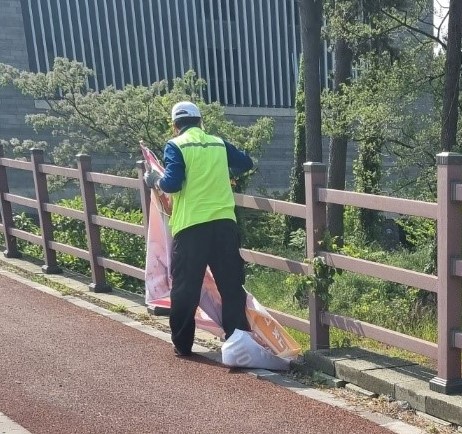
<point x="203" y="223"/>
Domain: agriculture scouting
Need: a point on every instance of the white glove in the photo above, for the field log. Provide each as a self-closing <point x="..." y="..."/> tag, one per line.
<point x="151" y="178"/>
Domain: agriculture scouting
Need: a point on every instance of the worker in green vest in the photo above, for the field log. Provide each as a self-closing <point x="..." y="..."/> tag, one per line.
<point x="203" y="223"/>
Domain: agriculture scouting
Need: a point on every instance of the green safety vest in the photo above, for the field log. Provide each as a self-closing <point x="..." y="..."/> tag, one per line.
<point x="206" y="193"/>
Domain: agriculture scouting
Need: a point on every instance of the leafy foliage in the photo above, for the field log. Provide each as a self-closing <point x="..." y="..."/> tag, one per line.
<point x="120" y="246"/>
<point x="420" y="234"/>
<point x="261" y="230"/>
<point x="393" y="108"/>
<point x="394" y="105"/>
<point x="297" y="180"/>
<point x="111" y="122"/>
<point x="320" y="280"/>
<point x="318" y="283"/>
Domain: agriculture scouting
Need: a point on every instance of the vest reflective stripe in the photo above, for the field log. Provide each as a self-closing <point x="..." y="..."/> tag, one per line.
<point x="206" y="193"/>
<point x="202" y="145"/>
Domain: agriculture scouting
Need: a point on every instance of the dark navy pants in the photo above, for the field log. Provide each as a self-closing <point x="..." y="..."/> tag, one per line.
<point x="215" y="244"/>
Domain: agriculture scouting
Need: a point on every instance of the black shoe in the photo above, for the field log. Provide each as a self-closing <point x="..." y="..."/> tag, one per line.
<point x="161" y="311"/>
<point x="180" y="353"/>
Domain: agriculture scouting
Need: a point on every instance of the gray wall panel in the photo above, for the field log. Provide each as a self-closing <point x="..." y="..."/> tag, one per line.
<point x="246" y="50"/>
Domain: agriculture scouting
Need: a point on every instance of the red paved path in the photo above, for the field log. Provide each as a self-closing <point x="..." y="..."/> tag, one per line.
<point x="64" y="369"/>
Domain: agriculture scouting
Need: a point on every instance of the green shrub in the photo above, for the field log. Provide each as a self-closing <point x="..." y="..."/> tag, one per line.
<point x="117" y="245"/>
<point x="418" y="231"/>
<point x="261" y="230"/>
<point x="385" y="303"/>
<point x="26" y="223"/>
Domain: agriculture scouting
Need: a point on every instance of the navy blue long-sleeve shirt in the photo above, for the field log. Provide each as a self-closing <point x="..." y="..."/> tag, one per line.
<point x="175" y="168"/>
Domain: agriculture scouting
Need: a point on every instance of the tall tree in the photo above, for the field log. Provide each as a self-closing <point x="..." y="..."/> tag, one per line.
<point x="345" y="29"/>
<point x="307" y="129"/>
<point x="297" y="180"/>
<point x="452" y="77"/>
<point x="338" y="142"/>
<point x="310" y="23"/>
<point x="357" y="29"/>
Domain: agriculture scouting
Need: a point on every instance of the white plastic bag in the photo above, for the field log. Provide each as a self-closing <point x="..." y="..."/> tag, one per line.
<point x="241" y="351"/>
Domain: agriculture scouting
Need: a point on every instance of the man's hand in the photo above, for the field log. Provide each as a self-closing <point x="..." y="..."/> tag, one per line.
<point x="151" y="178"/>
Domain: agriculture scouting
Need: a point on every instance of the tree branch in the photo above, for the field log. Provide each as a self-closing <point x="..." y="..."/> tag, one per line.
<point x="414" y="29"/>
<point x="91" y="123"/>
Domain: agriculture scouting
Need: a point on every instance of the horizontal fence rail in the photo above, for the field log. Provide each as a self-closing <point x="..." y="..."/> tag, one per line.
<point x="15" y="164"/>
<point x="117" y="181"/>
<point x="389" y="337"/>
<point x="26" y="236"/>
<point x="276" y="262"/>
<point x="271" y="205"/>
<point x="379" y="203"/>
<point x="291" y="321"/>
<point x="381" y="271"/>
<point x="20" y="200"/>
<point x="69" y="250"/>
<point x="113" y="265"/>
<point x="119" y="225"/>
<point x="49" y="169"/>
<point x="64" y="211"/>
<point x="446" y="211"/>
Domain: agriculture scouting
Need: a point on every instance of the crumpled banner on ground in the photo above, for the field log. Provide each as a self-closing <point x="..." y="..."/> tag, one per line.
<point x="241" y="349"/>
<point x="268" y="339"/>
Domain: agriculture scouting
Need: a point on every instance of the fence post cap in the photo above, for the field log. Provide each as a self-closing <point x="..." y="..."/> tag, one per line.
<point x="312" y="166"/>
<point x="448" y="158"/>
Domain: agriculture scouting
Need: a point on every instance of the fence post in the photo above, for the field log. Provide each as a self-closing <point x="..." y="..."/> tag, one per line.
<point x="87" y="189"/>
<point x="7" y="214"/>
<point x="41" y="195"/>
<point x="145" y="195"/>
<point x="315" y="177"/>
<point x="449" y="230"/>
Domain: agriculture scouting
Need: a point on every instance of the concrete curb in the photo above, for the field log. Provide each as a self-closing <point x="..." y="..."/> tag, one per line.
<point x="398" y="379"/>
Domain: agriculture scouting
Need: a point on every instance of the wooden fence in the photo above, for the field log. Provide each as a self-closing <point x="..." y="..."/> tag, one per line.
<point x="446" y="212"/>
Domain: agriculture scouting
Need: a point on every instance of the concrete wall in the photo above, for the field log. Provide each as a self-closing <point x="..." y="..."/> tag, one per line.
<point x="274" y="166"/>
<point x="13" y="51"/>
<point x="13" y="105"/>
<point x="12" y="40"/>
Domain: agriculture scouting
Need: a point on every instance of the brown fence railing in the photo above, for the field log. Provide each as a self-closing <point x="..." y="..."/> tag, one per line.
<point x="446" y="212"/>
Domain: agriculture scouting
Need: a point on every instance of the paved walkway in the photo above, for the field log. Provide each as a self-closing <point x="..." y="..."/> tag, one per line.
<point x="65" y="369"/>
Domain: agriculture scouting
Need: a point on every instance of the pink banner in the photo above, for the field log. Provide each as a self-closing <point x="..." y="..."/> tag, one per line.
<point x="265" y="329"/>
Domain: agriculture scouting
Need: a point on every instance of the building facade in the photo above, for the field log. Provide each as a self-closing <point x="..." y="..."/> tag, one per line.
<point x="246" y="50"/>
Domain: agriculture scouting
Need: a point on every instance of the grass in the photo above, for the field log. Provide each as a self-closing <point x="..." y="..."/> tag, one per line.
<point x="118" y="308"/>
<point x="269" y="288"/>
<point x="64" y="290"/>
<point x="377" y="302"/>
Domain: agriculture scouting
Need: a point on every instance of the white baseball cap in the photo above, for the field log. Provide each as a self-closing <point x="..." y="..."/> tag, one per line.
<point x="185" y="109"/>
